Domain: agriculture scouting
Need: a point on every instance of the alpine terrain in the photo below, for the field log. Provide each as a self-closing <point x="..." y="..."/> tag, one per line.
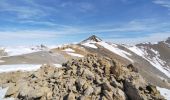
<point x="92" y="69"/>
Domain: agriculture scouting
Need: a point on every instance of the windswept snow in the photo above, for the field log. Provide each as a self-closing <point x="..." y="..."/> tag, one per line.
<point x="22" y="67"/>
<point x="57" y="65"/>
<point x="155" y="60"/>
<point x="17" y="67"/>
<point x="1" y="61"/>
<point x="116" y="50"/>
<point x="75" y="54"/>
<point x="136" y="50"/>
<point x="2" y="93"/>
<point x="72" y="52"/>
<point x="164" y="92"/>
<point x="69" y="50"/>
<point x="12" y="51"/>
<point x="90" y="44"/>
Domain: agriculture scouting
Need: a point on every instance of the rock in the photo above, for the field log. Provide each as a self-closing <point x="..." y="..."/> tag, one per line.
<point x="97" y="79"/>
<point x="88" y="91"/>
<point x="120" y="95"/>
<point x="132" y="91"/>
<point x="88" y="78"/>
<point x="57" y="74"/>
<point x="115" y="84"/>
<point x="88" y="74"/>
<point x="80" y="82"/>
<point x="97" y="90"/>
<point x="106" y="86"/>
<point x="108" y="94"/>
<point x="71" y="96"/>
<point x="84" y="98"/>
<point x="12" y="91"/>
<point x="132" y="68"/>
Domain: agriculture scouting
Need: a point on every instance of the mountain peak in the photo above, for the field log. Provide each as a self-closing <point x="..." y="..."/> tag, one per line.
<point x="93" y="38"/>
<point x="168" y="40"/>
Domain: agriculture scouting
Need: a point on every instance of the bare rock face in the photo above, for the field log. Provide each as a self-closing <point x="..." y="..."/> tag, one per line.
<point x="88" y="78"/>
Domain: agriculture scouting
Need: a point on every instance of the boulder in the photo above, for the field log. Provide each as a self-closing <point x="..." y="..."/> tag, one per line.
<point x="88" y="91"/>
<point x="71" y="96"/>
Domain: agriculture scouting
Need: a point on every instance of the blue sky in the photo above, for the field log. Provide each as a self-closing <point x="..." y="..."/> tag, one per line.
<point x="28" y="22"/>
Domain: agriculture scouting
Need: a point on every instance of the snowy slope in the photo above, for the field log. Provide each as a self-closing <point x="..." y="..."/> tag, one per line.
<point x="19" y="50"/>
<point x="164" y="92"/>
<point x="114" y="48"/>
<point x="22" y="67"/>
<point x="152" y="56"/>
<point x="90" y="44"/>
<point x="72" y="52"/>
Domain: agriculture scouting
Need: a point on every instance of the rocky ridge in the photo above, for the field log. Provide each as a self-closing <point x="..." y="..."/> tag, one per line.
<point x="88" y="78"/>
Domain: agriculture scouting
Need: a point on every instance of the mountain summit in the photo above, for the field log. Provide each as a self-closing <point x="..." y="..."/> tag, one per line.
<point x="168" y="40"/>
<point x="92" y="38"/>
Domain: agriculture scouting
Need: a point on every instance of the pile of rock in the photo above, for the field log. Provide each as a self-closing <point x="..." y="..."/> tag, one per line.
<point x="88" y="78"/>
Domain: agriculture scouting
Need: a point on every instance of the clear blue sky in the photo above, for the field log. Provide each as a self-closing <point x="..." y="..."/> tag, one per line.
<point x="62" y="21"/>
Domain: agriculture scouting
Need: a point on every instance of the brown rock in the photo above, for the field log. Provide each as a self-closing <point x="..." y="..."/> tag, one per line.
<point x="71" y="96"/>
<point x="88" y="91"/>
<point x="108" y="95"/>
<point x="107" y="86"/>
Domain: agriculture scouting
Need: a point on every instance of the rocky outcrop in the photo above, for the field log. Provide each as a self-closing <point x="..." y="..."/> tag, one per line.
<point x="88" y="78"/>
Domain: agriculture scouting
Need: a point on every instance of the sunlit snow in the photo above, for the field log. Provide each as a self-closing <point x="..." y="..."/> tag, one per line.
<point x="116" y="50"/>
<point x="90" y="44"/>
<point x="155" y="61"/>
<point x="164" y="92"/>
<point x="75" y="54"/>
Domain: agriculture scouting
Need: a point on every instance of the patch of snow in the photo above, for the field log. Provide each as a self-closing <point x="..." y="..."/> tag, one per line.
<point x="1" y="61"/>
<point x="136" y="50"/>
<point x="19" y="67"/>
<point x="75" y="54"/>
<point x="2" y="92"/>
<point x="57" y="65"/>
<point x="157" y="63"/>
<point x="13" y="51"/>
<point x="116" y="50"/>
<point x="90" y="44"/>
<point x="164" y="92"/>
<point x="154" y="61"/>
<point x="69" y="50"/>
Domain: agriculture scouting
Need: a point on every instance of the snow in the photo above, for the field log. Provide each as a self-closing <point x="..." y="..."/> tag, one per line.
<point x="155" y="61"/>
<point x="17" y="67"/>
<point x="1" y="61"/>
<point x="90" y="44"/>
<point x="22" y="67"/>
<point x="72" y="52"/>
<point x="136" y="50"/>
<point x="57" y="65"/>
<point x="116" y="50"/>
<point x="3" y="92"/>
<point x="75" y="54"/>
<point x="164" y="92"/>
<point x="69" y="50"/>
<point x="13" y="51"/>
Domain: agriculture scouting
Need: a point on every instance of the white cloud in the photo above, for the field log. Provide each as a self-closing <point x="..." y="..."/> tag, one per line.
<point x="153" y="37"/>
<point x="26" y="35"/>
<point x="163" y="3"/>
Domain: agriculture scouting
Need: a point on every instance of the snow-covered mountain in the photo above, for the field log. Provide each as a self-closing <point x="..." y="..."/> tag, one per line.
<point x="152" y="60"/>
